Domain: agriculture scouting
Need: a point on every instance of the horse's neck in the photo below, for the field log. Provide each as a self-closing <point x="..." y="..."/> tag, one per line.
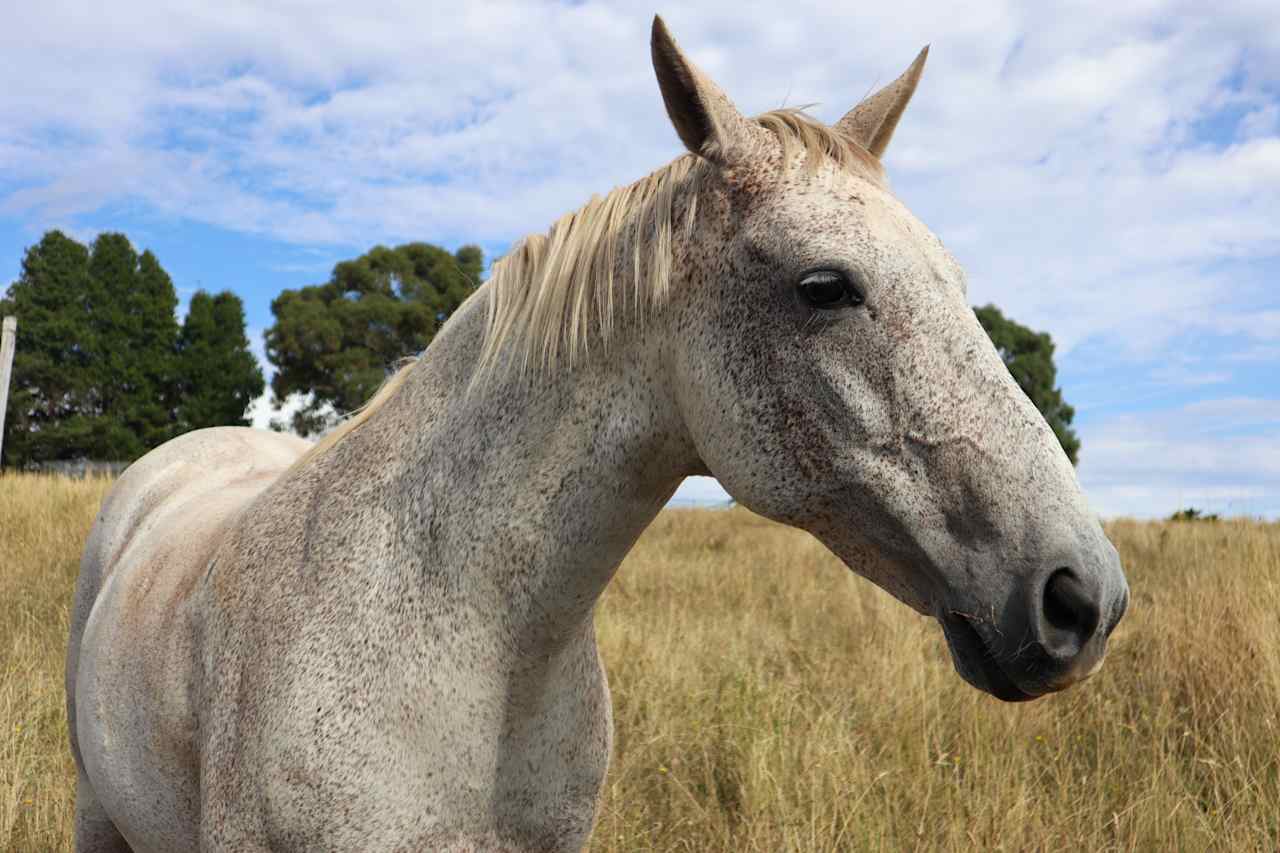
<point x="523" y="496"/>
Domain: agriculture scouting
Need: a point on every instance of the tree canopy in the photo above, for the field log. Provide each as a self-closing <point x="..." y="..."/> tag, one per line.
<point x="217" y="375"/>
<point x="336" y="340"/>
<point x="1029" y="356"/>
<point x="99" y="367"/>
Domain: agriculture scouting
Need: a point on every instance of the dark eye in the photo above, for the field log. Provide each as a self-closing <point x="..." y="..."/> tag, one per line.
<point x="829" y="289"/>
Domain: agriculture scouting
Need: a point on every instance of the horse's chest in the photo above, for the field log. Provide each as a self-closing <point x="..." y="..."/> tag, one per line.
<point x="431" y="756"/>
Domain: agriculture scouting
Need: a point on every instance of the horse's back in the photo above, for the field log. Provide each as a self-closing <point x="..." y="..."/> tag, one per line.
<point x="131" y="660"/>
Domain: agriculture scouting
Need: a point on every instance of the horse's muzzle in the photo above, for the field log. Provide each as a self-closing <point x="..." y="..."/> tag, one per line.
<point x="1057" y="637"/>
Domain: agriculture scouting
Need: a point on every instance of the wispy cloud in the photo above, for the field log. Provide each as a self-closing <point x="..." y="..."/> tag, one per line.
<point x="1219" y="455"/>
<point x="1109" y="173"/>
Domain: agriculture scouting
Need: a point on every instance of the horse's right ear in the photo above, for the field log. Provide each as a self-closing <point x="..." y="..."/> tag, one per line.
<point x="706" y="120"/>
<point x="872" y="122"/>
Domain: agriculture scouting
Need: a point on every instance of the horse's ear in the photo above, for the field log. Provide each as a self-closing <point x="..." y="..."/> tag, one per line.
<point x="706" y="120"/>
<point x="872" y="122"/>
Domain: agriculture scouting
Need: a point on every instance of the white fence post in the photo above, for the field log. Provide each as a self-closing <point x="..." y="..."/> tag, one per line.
<point x="8" y="332"/>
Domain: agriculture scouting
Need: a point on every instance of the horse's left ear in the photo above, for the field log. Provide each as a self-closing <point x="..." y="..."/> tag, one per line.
<point x="872" y="122"/>
<point x="706" y="120"/>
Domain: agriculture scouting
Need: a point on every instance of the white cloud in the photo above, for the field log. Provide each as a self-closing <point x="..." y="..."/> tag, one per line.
<point x="1217" y="455"/>
<point x="1094" y="168"/>
<point x="263" y="413"/>
<point x="700" y="491"/>
<point x="492" y="120"/>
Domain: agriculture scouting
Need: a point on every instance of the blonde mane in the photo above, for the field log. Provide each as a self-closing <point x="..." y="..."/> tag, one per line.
<point x="357" y="417"/>
<point x="552" y="293"/>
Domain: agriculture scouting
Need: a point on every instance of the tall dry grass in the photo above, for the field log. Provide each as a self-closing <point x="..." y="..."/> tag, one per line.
<point x="765" y="699"/>
<point x="768" y="700"/>
<point x="44" y="520"/>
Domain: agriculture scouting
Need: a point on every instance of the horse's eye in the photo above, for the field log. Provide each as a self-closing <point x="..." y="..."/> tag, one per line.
<point x="829" y="289"/>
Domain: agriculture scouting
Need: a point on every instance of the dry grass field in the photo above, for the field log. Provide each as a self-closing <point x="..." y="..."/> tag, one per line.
<point x="767" y="700"/>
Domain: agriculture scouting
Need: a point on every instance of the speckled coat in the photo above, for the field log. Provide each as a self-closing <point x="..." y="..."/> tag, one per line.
<point x="389" y="645"/>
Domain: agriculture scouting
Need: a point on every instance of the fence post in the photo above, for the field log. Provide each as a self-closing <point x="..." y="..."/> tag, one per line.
<point x="8" y="332"/>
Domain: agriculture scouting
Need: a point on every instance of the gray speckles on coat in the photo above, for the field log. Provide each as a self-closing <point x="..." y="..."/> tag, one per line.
<point x="389" y="646"/>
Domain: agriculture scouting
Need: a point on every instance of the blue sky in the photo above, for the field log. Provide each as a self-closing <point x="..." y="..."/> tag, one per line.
<point x="1110" y="175"/>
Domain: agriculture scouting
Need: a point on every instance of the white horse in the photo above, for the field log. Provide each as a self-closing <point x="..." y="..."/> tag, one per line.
<point x="387" y="643"/>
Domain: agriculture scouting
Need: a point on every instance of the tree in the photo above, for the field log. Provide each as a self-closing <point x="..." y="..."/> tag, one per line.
<point x="1192" y="514"/>
<point x="1029" y="357"/>
<point x="335" y="341"/>
<point x="52" y="400"/>
<point x="132" y="303"/>
<point x="96" y="371"/>
<point x="217" y="375"/>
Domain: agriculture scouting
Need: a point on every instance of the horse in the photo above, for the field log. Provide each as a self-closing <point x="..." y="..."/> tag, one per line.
<point x="385" y="641"/>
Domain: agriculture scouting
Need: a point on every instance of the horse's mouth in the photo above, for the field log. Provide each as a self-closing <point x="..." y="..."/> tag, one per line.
<point x="976" y="662"/>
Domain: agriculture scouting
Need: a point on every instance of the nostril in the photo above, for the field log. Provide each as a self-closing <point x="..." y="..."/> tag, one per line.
<point x="1056" y="609"/>
<point x="1068" y="607"/>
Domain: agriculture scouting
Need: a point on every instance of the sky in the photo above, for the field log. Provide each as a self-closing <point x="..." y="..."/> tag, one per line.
<point x="1106" y="172"/>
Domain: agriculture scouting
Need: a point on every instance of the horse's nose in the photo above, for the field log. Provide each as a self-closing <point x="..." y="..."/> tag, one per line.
<point x="1077" y="605"/>
<point x="1054" y="634"/>
<point x="1069" y="615"/>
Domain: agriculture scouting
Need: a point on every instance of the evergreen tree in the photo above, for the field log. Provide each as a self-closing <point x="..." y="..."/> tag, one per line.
<point x="217" y="374"/>
<point x="336" y="340"/>
<point x="1029" y="357"/>
<point x="132" y="308"/>
<point x="96" y="373"/>
<point x="53" y="399"/>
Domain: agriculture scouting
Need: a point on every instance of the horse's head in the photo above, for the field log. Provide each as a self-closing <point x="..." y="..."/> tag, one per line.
<point x="833" y="376"/>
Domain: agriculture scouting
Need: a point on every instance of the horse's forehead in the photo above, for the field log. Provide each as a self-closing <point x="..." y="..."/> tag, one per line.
<point x="845" y="211"/>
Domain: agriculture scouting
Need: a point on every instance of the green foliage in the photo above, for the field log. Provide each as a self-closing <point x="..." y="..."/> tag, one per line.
<point x="1029" y="357"/>
<point x="217" y="374"/>
<point x="336" y="340"/>
<point x="1193" y="514"/>
<point x="97" y="370"/>
<point x="133" y="328"/>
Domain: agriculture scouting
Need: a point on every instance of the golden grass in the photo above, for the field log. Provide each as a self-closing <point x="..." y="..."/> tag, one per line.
<point x="43" y="524"/>
<point x="767" y="700"/>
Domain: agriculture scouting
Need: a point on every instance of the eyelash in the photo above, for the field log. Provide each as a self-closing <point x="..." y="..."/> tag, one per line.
<point x="817" y="287"/>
